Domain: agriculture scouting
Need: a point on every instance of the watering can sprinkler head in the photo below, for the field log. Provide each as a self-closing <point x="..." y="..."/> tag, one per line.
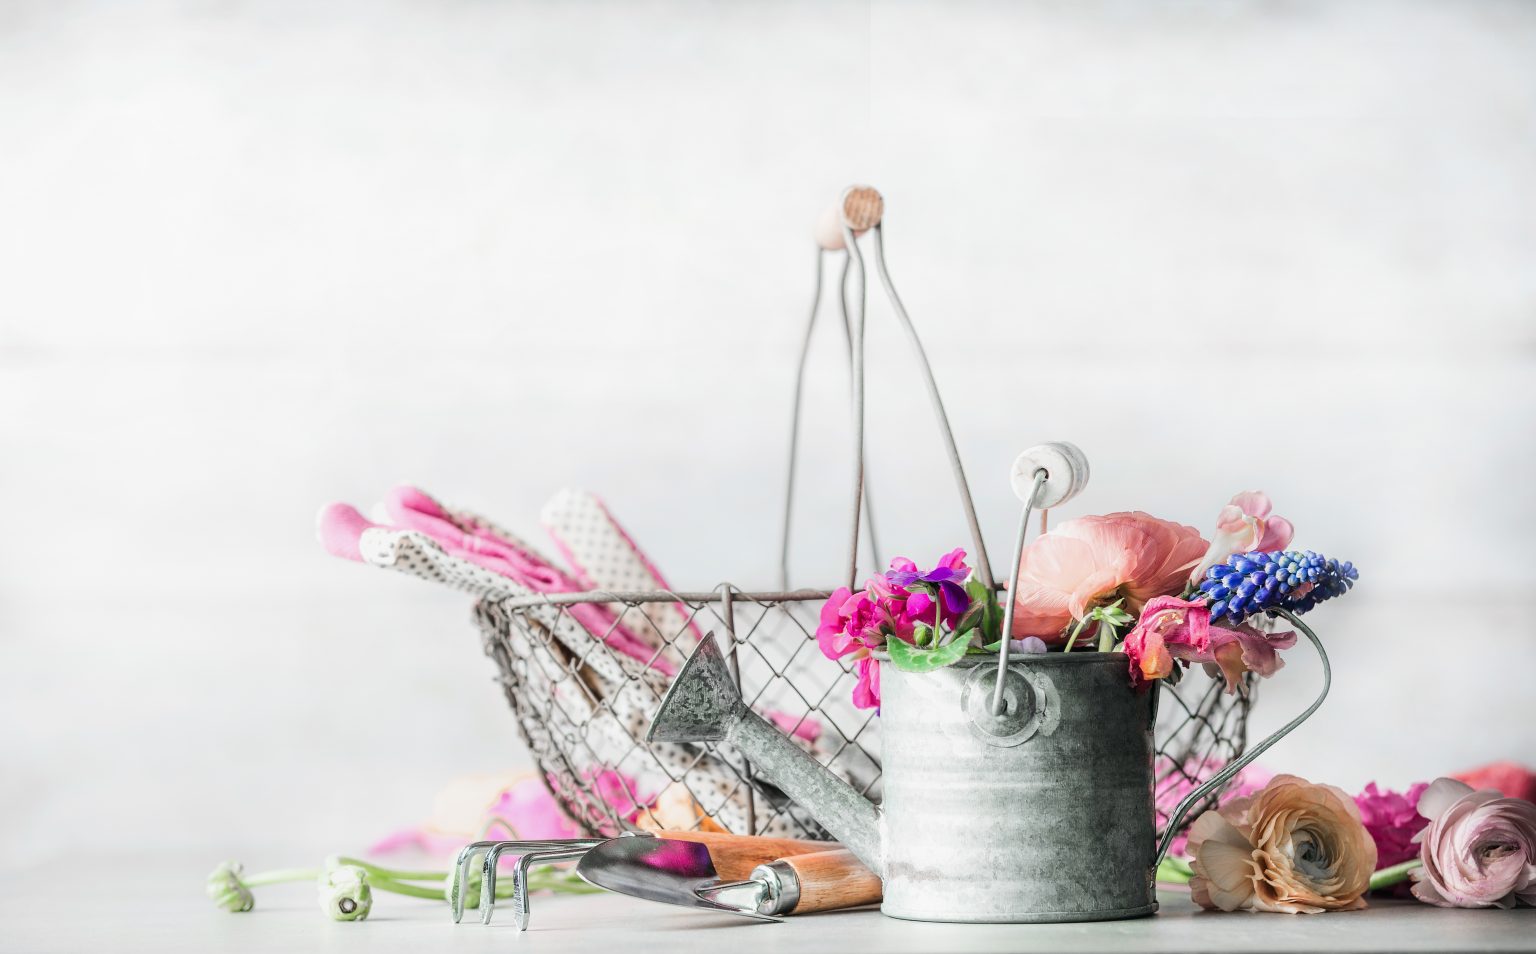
<point x="702" y="703"/>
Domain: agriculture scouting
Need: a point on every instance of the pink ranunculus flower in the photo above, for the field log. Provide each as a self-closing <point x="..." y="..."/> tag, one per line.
<point x="1244" y="525"/>
<point x="1479" y="848"/>
<point x="1393" y="820"/>
<point x="1169" y="629"/>
<point x="1094" y="560"/>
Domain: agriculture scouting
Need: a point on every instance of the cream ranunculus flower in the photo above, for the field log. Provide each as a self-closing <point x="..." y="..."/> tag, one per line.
<point x="1292" y="847"/>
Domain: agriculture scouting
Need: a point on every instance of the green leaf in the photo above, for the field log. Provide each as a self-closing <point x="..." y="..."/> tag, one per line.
<point x="909" y="658"/>
<point x="984" y="605"/>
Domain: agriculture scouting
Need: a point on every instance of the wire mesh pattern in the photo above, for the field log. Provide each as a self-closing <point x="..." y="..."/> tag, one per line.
<point x="1200" y="729"/>
<point x="583" y="708"/>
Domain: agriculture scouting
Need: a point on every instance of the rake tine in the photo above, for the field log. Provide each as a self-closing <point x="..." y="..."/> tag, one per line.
<point x="492" y="863"/>
<point x="461" y="877"/>
<point x="520" y="905"/>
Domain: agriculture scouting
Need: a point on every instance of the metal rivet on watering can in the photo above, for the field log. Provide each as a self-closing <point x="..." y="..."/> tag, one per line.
<point x="1044" y="476"/>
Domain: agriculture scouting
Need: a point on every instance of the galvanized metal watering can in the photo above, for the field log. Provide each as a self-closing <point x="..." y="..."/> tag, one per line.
<point x="1042" y="812"/>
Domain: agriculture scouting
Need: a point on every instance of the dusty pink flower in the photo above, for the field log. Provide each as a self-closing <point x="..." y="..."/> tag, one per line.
<point x="1169" y="629"/>
<point x="1393" y="820"/>
<point x="1479" y="848"/>
<point x="1243" y="648"/>
<point x="1094" y="560"/>
<point x="1245" y="524"/>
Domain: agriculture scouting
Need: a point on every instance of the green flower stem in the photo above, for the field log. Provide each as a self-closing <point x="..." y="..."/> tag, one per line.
<point x="1397" y="874"/>
<point x="391" y="874"/>
<point x="400" y="887"/>
<point x="1072" y="640"/>
<point x="542" y="878"/>
<point x="1106" y="636"/>
<point x="280" y="876"/>
<point x="1174" y="871"/>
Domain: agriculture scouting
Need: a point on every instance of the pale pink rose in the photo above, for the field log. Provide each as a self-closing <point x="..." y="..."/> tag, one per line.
<point x="1293" y="847"/>
<point x="1479" y="849"/>
<point x="1094" y="560"/>
<point x="1244" y="525"/>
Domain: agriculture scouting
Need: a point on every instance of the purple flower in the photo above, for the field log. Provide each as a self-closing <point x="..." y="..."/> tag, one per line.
<point x="948" y="577"/>
<point x="1393" y="820"/>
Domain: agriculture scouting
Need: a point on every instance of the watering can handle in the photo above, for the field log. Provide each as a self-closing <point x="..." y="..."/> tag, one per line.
<point x="1230" y="770"/>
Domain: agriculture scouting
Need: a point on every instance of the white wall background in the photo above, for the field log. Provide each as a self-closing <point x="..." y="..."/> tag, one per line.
<point x="257" y="257"/>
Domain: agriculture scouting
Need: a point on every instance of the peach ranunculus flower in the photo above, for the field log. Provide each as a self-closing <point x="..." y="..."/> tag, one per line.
<point x="1244" y="525"/>
<point x="1091" y="561"/>
<point x="1292" y="847"/>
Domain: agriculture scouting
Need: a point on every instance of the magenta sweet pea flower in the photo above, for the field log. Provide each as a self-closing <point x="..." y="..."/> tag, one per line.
<point x="866" y="693"/>
<point x="1393" y="820"/>
<point x="889" y="607"/>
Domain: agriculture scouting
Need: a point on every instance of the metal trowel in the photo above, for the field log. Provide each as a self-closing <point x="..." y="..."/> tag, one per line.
<point x="682" y="873"/>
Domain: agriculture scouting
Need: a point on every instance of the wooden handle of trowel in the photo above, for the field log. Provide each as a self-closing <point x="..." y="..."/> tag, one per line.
<point x="735" y="856"/>
<point x="832" y="880"/>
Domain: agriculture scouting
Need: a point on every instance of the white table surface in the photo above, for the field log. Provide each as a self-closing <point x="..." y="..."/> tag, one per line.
<point x="165" y="911"/>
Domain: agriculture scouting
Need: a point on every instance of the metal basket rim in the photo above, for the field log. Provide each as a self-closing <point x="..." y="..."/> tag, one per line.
<point x="663" y="596"/>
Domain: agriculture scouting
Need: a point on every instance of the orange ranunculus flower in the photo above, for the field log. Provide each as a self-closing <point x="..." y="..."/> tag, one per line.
<point x="1292" y="847"/>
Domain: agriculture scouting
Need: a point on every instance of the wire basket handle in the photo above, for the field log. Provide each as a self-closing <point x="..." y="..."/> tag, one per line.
<point x="860" y="210"/>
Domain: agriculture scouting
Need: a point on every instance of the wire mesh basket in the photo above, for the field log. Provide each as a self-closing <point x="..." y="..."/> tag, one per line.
<point x="587" y="736"/>
<point x="583" y="706"/>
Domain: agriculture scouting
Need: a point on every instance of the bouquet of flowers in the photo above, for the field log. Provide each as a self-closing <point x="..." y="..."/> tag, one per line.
<point x="1129" y="582"/>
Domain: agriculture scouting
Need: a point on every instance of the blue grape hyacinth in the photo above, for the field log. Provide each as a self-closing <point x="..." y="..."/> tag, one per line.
<point x="1296" y="580"/>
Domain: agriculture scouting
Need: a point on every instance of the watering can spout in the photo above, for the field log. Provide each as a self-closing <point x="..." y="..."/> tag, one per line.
<point x="705" y="705"/>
